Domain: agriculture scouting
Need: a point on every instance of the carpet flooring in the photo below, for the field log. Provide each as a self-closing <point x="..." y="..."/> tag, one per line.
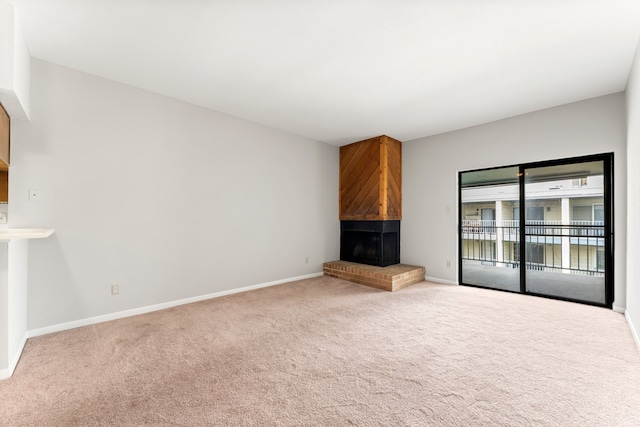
<point x="328" y="352"/>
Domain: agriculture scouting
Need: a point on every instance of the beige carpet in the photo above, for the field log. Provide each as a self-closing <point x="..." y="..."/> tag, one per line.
<point x="328" y="352"/>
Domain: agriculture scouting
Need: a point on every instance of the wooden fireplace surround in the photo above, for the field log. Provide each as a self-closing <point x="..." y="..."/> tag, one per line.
<point x="371" y="180"/>
<point x="371" y="190"/>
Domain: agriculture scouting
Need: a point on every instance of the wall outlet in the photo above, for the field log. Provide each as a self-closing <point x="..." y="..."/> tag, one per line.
<point x="115" y="289"/>
<point x="34" y="194"/>
<point x="306" y="260"/>
<point x="448" y="264"/>
<point x="3" y="217"/>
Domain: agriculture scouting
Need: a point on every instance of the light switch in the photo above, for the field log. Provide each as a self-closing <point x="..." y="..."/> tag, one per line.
<point x="34" y="194"/>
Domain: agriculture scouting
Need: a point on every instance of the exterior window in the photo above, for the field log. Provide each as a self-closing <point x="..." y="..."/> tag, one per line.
<point x="582" y="213"/>
<point x="580" y="182"/>
<point x="598" y="213"/>
<point x="535" y="253"/>
<point x="535" y="217"/>
<point x="488" y="254"/>
<point x="488" y="217"/>
<point x="600" y="259"/>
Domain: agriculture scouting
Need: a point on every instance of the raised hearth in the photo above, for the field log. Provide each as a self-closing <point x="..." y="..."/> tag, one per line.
<point x="390" y="278"/>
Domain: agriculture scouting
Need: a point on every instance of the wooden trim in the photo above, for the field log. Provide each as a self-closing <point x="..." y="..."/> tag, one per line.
<point x="4" y="186"/>
<point x="394" y="179"/>
<point x="384" y="174"/>
<point x="5" y="134"/>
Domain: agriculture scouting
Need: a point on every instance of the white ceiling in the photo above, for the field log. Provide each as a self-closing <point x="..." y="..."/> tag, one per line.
<point x="340" y="71"/>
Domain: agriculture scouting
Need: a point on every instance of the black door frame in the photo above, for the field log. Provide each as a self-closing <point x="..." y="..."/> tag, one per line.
<point x="607" y="159"/>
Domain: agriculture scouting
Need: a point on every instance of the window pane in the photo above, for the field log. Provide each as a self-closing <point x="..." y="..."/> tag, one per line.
<point x="563" y="238"/>
<point x="490" y="231"/>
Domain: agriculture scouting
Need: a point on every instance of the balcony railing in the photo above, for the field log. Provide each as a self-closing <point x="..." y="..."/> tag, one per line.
<point x="535" y="227"/>
<point x="497" y="243"/>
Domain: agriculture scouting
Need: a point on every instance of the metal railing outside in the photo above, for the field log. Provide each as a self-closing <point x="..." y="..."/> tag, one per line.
<point x="491" y="242"/>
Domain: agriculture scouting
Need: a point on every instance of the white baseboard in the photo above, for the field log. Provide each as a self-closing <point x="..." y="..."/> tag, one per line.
<point x="438" y="280"/>
<point x="634" y="331"/>
<point x="7" y="372"/>
<point x="156" y="307"/>
<point x="618" y="309"/>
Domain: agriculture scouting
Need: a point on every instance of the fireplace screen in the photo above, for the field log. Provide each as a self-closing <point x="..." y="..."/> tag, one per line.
<point x="370" y="242"/>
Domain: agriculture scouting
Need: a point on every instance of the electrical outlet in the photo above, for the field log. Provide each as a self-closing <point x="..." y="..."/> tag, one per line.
<point x="3" y="217"/>
<point x="34" y="194"/>
<point x="448" y="264"/>
<point x="115" y="289"/>
<point x="306" y="260"/>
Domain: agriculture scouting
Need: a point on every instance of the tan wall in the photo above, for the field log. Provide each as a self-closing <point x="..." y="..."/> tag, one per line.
<point x="469" y="209"/>
<point x="586" y="259"/>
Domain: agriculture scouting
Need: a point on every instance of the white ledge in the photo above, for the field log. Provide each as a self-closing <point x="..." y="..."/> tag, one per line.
<point x="25" y="233"/>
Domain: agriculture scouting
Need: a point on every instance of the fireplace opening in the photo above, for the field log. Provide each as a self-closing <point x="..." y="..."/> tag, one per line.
<point x="370" y="242"/>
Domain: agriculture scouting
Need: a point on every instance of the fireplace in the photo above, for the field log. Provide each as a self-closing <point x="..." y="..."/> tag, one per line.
<point x="370" y="210"/>
<point x="370" y="204"/>
<point x="370" y="242"/>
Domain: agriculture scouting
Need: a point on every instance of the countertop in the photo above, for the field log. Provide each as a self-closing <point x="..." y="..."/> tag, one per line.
<point x="25" y="233"/>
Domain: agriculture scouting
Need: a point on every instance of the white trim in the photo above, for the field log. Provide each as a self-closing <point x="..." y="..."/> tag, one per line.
<point x="618" y="309"/>
<point x="6" y="373"/>
<point x="25" y="233"/>
<point x="634" y="331"/>
<point x="438" y="280"/>
<point x="156" y="307"/>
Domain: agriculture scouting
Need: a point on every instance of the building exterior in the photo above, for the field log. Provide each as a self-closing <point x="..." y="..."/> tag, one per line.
<point x="564" y="222"/>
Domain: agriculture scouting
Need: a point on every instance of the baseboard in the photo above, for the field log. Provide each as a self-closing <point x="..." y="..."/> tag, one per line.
<point x="156" y="307"/>
<point x="7" y="372"/>
<point x="438" y="280"/>
<point x="634" y="331"/>
<point x="618" y="309"/>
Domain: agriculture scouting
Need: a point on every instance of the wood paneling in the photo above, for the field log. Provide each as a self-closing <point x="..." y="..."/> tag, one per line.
<point x="4" y="139"/>
<point x="394" y="179"/>
<point x="5" y="133"/>
<point x="371" y="180"/>
<point x="4" y="186"/>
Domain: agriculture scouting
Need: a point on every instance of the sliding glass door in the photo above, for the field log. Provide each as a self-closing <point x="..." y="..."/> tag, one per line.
<point x="564" y="248"/>
<point x="490" y="228"/>
<point x="567" y="240"/>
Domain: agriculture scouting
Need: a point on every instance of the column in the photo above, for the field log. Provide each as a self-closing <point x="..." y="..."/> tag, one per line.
<point x="499" y="230"/>
<point x="566" y="243"/>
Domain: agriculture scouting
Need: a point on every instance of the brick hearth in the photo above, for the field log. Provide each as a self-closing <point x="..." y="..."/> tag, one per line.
<point x="391" y="278"/>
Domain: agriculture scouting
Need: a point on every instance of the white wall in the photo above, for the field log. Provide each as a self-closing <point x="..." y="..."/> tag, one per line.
<point x="14" y="64"/>
<point x="4" y="312"/>
<point x="633" y="195"/>
<point x="16" y="276"/>
<point x="21" y="72"/>
<point x="165" y="199"/>
<point x="430" y="168"/>
<point x="6" y="45"/>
